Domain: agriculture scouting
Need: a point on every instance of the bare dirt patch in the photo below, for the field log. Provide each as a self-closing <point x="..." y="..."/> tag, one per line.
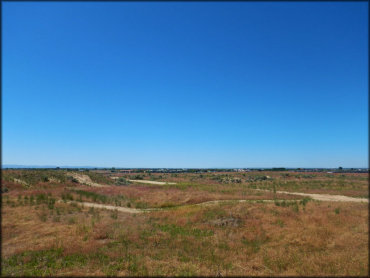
<point x="324" y="197"/>
<point x="84" y="179"/>
<point x="152" y="182"/>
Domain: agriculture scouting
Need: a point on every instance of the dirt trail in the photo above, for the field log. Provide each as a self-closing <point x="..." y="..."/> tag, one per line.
<point x="320" y="197"/>
<point x="134" y="210"/>
<point x="152" y="182"/>
<point x="323" y="197"/>
<point x="85" y="179"/>
<point x="109" y="207"/>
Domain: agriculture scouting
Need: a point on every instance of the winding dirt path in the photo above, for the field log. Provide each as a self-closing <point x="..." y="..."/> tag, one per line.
<point x="109" y="207"/>
<point x="134" y="210"/>
<point x="84" y="179"/>
<point x="319" y="197"/>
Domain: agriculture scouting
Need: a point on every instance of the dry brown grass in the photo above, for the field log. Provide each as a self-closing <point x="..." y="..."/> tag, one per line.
<point x="316" y="239"/>
<point x="268" y="240"/>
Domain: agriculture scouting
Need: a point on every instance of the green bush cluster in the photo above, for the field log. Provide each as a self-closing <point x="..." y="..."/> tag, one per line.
<point x="258" y="178"/>
<point x="67" y="197"/>
<point x="175" y="230"/>
<point x="293" y="204"/>
<point x="117" y="200"/>
<point x="122" y="181"/>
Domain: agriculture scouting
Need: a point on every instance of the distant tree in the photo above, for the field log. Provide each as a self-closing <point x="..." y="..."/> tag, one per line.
<point x="340" y="168"/>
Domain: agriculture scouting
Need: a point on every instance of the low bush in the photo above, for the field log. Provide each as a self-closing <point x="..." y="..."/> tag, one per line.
<point x="122" y="181"/>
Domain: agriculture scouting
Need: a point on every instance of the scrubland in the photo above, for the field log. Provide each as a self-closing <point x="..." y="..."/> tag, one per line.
<point x="47" y="230"/>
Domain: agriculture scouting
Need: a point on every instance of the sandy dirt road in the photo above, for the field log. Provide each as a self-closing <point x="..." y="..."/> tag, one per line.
<point x="323" y="197"/>
<point x="319" y="197"/>
<point x="109" y="207"/>
<point x="84" y="179"/>
<point x="134" y="210"/>
<point x="152" y="182"/>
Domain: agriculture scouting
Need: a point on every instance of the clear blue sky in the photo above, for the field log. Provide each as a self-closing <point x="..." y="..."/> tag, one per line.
<point x="200" y="84"/>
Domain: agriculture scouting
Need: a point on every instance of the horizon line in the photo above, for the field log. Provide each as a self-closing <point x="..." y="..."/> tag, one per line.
<point x="118" y="167"/>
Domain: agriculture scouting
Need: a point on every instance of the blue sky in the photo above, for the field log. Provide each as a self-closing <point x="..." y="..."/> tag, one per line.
<point x="199" y="84"/>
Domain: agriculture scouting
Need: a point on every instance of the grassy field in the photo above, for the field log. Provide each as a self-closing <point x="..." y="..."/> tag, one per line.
<point x="47" y="230"/>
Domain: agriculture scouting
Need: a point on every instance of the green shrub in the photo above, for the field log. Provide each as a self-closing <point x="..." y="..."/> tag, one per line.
<point x="305" y="200"/>
<point x="114" y="214"/>
<point x="51" y="203"/>
<point x="141" y="205"/>
<point x="41" y="198"/>
<point x="295" y="207"/>
<point x="43" y="216"/>
<point x="122" y="181"/>
<point x="71" y="221"/>
<point x="139" y="177"/>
